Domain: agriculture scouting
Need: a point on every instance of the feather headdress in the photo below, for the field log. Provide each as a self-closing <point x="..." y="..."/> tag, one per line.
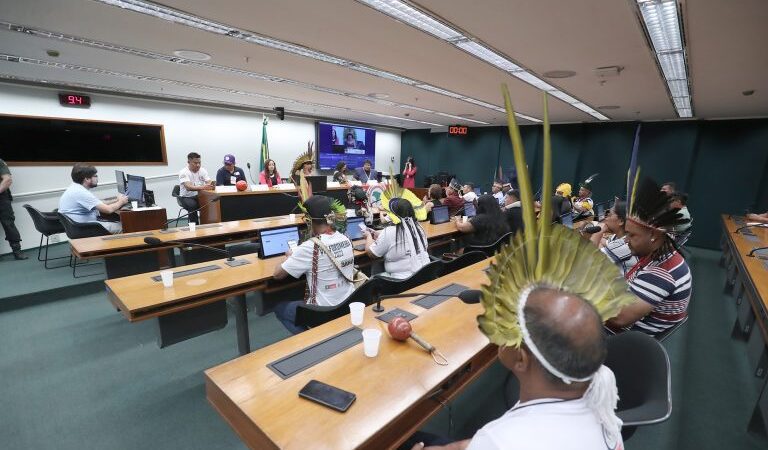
<point x="394" y="193"/>
<point x="303" y="158"/>
<point x="550" y="255"/>
<point x="651" y="207"/>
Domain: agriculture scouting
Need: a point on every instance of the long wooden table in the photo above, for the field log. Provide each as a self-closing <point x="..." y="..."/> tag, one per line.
<point x="397" y="391"/>
<point x="749" y="275"/>
<point x="193" y="298"/>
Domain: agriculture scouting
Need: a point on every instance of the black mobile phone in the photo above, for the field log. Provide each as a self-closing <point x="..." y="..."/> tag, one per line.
<point x="327" y="395"/>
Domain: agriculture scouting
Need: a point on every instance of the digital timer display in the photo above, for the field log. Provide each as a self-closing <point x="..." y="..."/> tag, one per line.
<point x="458" y="130"/>
<point x="76" y="100"/>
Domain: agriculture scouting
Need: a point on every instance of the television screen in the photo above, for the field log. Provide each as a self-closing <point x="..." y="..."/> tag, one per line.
<point x="351" y="144"/>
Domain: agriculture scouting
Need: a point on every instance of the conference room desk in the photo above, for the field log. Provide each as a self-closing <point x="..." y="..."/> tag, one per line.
<point x="142" y="219"/>
<point x="397" y="391"/>
<point x="750" y="275"/>
<point x="193" y="306"/>
<point x="128" y="254"/>
<point x="256" y="204"/>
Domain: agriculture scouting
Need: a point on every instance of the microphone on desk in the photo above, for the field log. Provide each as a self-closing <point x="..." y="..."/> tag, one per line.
<point x="168" y="222"/>
<point x="757" y="225"/>
<point x="231" y="261"/>
<point x="592" y="229"/>
<point x="752" y="255"/>
<point x="249" y="172"/>
<point x="467" y="296"/>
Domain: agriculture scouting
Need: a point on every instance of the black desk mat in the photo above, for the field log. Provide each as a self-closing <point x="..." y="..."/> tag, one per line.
<point x="397" y="312"/>
<point x="184" y="273"/>
<point x="209" y="225"/>
<point x="127" y="236"/>
<point x="305" y="358"/>
<point x="429" y="301"/>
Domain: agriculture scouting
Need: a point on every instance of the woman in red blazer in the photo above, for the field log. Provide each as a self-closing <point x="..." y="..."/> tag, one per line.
<point x="409" y="173"/>
<point x="270" y="176"/>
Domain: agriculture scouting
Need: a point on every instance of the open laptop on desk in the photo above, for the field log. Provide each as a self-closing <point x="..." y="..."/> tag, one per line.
<point x="274" y="242"/>
<point x="469" y="209"/>
<point x="355" y="233"/>
<point x="440" y="215"/>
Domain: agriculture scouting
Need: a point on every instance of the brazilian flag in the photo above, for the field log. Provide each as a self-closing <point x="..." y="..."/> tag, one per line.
<point x="264" y="145"/>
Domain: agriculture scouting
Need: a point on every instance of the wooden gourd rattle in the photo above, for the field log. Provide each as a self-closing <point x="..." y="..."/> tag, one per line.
<point x="400" y="330"/>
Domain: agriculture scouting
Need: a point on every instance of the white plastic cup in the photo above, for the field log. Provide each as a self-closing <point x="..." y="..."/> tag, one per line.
<point x="292" y="217"/>
<point x="356" y="310"/>
<point x="192" y="226"/>
<point x="134" y="205"/>
<point x="167" y="277"/>
<point x="371" y="340"/>
<point x="464" y="219"/>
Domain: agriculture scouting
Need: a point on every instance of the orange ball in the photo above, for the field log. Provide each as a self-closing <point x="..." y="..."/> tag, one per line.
<point x="241" y="185"/>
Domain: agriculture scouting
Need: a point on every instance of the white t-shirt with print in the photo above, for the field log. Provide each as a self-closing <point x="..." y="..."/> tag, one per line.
<point x="199" y="178"/>
<point x="470" y="196"/>
<point x="332" y="287"/>
<point x="545" y="424"/>
<point x="401" y="260"/>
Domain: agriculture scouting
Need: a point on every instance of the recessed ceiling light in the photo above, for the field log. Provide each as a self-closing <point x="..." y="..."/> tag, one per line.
<point x="52" y="53"/>
<point x="559" y="74"/>
<point x="748" y="93"/>
<point x="466" y="116"/>
<point x="379" y="95"/>
<point x="193" y="55"/>
<point x="609" y="107"/>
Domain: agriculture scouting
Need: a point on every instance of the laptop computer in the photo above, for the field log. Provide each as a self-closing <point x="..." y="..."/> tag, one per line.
<point x="469" y="209"/>
<point x="354" y="233"/>
<point x="440" y="215"/>
<point x="319" y="183"/>
<point x="274" y="242"/>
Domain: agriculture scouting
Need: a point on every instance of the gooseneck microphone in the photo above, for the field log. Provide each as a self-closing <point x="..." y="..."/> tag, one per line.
<point x="250" y="175"/>
<point x="751" y="253"/>
<point x="755" y="225"/>
<point x="231" y="261"/>
<point x="467" y="296"/>
<point x="213" y="200"/>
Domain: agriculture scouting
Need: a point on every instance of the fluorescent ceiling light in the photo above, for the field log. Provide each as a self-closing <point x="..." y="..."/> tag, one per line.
<point x="429" y="87"/>
<point x="407" y="14"/>
<point x="662" y="23"/>
<point x="131" y="76"/>
<point x="180" y="17"/>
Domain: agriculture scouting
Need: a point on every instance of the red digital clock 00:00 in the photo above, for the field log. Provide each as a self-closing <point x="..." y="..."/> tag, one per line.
<point x="458" y="130"/>
<point x="82" y="101"/>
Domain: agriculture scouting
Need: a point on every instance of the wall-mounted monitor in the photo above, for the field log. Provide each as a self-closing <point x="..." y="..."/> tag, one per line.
<point x="349" y="143"/>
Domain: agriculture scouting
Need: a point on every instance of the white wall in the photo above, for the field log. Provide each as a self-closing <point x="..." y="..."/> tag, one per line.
<point x="212" y="132"/>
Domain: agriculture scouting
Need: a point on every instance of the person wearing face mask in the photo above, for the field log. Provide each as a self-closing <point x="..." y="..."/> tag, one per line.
<point x="79" y="204"/>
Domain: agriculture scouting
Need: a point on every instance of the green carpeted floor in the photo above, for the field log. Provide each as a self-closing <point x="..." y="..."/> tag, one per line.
<point x="75" y="374"/>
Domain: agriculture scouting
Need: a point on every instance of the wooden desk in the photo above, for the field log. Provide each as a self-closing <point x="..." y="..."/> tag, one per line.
<point x="256" y="204"/>
<point x="397" y="391"/>
<point x="750" y="275"/>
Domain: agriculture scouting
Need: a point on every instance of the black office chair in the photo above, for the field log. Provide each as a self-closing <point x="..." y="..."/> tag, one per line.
<point x="663" y="336"/>
<point x="47" y="224"/>
<point x="643" y="377"/>
<point x="490" y="249"/>
<point x="314" y="315"/>
<point x="175" y="194"/>
<point x="389" y="286"/>
<point x="77" y="230"/>
<point x="467" y="259"/>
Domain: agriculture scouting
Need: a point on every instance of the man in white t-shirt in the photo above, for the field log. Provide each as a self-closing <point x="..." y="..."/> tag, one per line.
<point x="469" y="192"/>
<point x="327" y="286"/>
<point x="550" y="415"/>
<point x="192" y="179"/>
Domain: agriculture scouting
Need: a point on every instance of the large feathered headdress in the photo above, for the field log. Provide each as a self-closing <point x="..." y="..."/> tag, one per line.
<point x="303" y="158"/>
<point x="651" y="207"/>
<point x="549" y="255"/>
<point x="394" y="193"/>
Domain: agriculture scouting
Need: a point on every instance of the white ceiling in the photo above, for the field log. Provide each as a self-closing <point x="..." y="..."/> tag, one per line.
<point x="724" y="43"/>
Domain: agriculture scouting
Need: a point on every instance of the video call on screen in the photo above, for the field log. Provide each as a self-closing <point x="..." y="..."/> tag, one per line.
<point x="351" y="144"/>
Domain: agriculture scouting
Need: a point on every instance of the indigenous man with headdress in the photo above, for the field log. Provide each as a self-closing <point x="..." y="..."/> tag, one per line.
<point x="327" y="258"/>
<point x="453" y="199"/>
<point x="582" y="204"/>
<point x="549" y="293"/>
<point x="661" y="280"/>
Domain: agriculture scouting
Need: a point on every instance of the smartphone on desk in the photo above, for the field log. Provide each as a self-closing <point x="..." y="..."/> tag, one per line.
<point x="327" y="395"/>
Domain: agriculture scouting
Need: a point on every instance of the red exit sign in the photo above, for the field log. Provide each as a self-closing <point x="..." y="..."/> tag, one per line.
<point x="458" y="130"/>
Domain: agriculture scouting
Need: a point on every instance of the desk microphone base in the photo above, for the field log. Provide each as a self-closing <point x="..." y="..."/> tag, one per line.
<point x="237" y="262"/>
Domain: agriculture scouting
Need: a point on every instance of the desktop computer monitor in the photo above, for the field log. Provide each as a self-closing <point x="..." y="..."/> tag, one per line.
<point x="120" y="181"/>
<point x="440" y="215"/>
<point x="319" y="183"/>
<point x="469" y="209"/>
<point x="353" y="228"/>
<point x="135" y="188"/>
<point x="274" y="242"/>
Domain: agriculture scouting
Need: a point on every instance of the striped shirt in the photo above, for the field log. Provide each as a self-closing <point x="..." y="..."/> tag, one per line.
<point x="618" y="251"/>
<point x="666" y="285"/>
